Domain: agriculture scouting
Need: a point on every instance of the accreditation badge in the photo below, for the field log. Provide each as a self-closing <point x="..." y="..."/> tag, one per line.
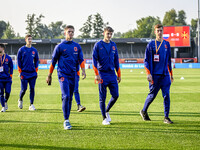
<point x="156" y="58"/>
<point x="1" y="69"/>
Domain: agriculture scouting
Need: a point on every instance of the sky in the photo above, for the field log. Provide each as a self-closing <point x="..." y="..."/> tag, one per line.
<point x="121" y="14"/>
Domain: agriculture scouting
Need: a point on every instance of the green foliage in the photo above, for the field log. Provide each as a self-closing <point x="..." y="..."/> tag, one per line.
<point x="3" y="25"/>
<point x="194" y="27"/>
<point x="9" y="32"/>
<point x="145" y="28"/>
<point x="172" y="19"/>
<point x="94" y="24"/>
<point x="87" y="28"/>
<point x="43" y="128"/>
<point x="56" y="29"/>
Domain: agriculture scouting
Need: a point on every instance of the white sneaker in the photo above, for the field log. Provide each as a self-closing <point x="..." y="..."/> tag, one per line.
<point x="32" y="107"/>
<point x="67" y="125"/>
<point x="6" y="106"/>
<point x="105" y="122"/>
<point x="108" y="117"/>
<point x="3" y="109"/>
<point x="20" y="104"/>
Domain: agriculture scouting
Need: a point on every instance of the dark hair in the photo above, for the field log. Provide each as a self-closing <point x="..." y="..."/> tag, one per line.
<point x="2" y="46"/>
<point x="108" y="29"/>
<point x="158" y="26"/>
<point x="27" y="36"/>
<point x="69" y="27"/>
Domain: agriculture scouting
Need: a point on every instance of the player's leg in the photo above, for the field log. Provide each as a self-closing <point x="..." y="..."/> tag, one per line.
<point x="154" y="88"/>
<point x="71" y="90"/>
<point x="2" y="96"/>
<point x="64" y="86"/>
<point x="32" y="82"/>
<point x="102" y="100"/>
<point x="77" y="95"/>
<point x="114" y="91"/>
<point x="24" y="84"/>
<point x="7" y="93"/>
<point x="166" y="83"/>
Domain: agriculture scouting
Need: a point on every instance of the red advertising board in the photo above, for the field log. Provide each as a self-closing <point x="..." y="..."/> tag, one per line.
<point x="177" y="36"/>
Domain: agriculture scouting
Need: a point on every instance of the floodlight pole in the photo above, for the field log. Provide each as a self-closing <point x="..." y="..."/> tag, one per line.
<point x="198" y="33"/>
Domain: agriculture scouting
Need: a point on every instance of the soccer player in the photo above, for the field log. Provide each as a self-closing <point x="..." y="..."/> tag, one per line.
<point x="105" y="62"/>
<point x="6" y="71"/>
<point x="68" y="54"/>
<point x="159" y="72"/>
<point x="28" y="60"/>
<point x="76" y="91"/>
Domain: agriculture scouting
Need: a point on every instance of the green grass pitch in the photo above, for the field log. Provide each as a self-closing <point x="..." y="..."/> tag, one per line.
<point x="43" y="128"/>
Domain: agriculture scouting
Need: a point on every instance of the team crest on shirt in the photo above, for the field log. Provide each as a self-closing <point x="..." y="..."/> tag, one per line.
<point x="113" y="48"/>
<point x="62" y="79"/>
<point x="33" y="52"/>
<point x="165" y="46"/>
<point x="75" y="49"/>
<point x="6" y="60"/>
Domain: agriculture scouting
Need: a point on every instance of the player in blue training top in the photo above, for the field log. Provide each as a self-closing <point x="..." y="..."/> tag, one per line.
<point x="76" y="91"/>
<point x="157" y="64"/>
<point x="6" y="71"/>
<point x="68" y="54"/>
<point x="28" y="60"/>
<point x="105" y="62"/>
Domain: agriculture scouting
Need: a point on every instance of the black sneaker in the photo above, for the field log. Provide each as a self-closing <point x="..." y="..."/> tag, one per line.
<point x="167" y="120"/>
<point x="145" y="116"/>
<point x="81" y="108"/>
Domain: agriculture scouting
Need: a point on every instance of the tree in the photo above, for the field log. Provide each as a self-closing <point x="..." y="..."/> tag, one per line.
<point x="145" y="28"/>
<point x="30" y="24"/>
<point x="3" y="25"/>
<point x="170" y="18"/>
<point x="117" y="35"/>
<point x="56" y="29"/>
<point x="87" y="28"/>
<point x="9" y="32"/>
<point x="181" y="18"/>
<point x="194" y="27"/>
<point x="98" y="26"/>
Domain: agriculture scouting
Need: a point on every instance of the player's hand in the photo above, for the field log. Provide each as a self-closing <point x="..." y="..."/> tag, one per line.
<point x="97" y="78"/>
<point x="83" y="75"/>
<point x="149" y="78"/>
<point x="119" y="79"/>
<point x="172" y="79"/>
<point x="49" y="79"/>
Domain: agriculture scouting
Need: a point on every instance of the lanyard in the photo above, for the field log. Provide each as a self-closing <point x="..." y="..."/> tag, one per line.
<point x="3" y="60"/>
<point x="157" y="49"/>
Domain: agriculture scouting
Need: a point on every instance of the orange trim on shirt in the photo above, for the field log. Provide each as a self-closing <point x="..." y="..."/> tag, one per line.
<point x="20" y="70"/>
<point x="119" y="72"/>
<point x="170" y="72"/>
<point x="82" y="64"/>
<point x="51" y="68"/>
<point x="147" y="70"/>
<point x="36" y="69"/>
<point x="78" y="73"/>
<point x="95" y="70"/>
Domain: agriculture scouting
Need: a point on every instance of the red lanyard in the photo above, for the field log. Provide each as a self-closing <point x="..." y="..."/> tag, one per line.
<point x="157" y="49"/>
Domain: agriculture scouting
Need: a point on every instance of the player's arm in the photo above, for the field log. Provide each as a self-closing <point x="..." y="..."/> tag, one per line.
<point x="118" y="70"/>
<point x="169" y="63"/>
<point x="94" y="62"/>
<point x="11" y="67"/>
<point x="147" y="63"/>
<point x="54" y="60"/>
<point x="19" y="62"/>
<point x="36" y="61"/>
<point x="81" y="62"/>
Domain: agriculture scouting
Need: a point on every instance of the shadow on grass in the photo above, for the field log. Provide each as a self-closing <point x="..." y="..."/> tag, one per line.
<point x="47" y="147"/>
